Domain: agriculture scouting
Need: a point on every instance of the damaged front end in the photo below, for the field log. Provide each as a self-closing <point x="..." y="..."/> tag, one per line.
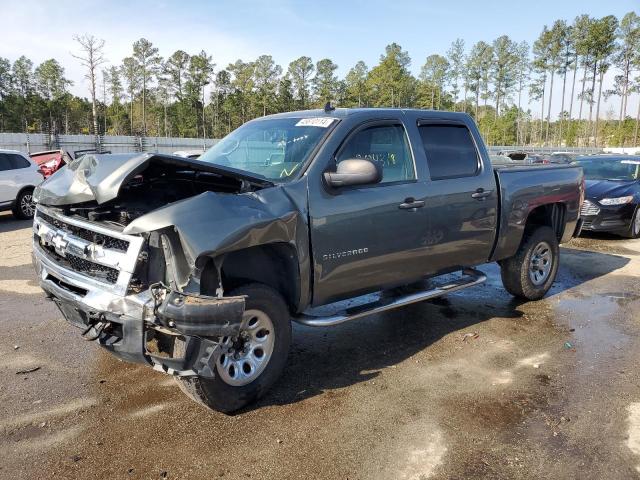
<point x="91" y="273"/>
<point x="118" y="267"/>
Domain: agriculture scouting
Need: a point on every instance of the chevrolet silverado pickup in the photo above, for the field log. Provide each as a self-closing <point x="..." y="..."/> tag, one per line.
<point x="198" y="267"/>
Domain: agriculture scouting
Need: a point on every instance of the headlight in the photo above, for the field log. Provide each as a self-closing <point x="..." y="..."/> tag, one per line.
<point x="616" y="201"/>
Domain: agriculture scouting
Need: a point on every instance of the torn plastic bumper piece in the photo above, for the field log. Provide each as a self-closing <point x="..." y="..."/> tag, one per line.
<point x="199" y="359"/>
<point x="199" y="315"/>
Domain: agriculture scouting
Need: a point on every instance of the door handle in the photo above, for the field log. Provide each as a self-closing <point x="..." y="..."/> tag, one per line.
<point x="481" y="194"/>
<point x="411" y="204"/>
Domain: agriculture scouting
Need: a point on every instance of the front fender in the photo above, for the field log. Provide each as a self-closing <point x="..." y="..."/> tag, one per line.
<point x="211" y="224"/>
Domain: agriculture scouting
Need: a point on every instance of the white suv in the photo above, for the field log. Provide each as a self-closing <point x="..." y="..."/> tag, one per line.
<point x="18" y="177"/>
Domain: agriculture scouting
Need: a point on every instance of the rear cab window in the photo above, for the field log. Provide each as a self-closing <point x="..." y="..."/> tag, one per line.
<point x="450" y="150"/>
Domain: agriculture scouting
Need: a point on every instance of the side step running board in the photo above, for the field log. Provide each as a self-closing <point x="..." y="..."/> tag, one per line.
<point x="470" y="277"/>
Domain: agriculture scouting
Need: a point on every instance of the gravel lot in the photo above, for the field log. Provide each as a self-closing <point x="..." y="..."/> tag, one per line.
<point x="476" y="385"/>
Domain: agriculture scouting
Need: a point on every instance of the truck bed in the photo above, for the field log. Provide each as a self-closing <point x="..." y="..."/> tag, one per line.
<point x="522" y="189"/>
<point x="532" y="166"/>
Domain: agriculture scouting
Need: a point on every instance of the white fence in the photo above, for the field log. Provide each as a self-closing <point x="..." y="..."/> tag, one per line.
<point x="37" y="142"/>
<point x="544" y="150"/>
<point x="30" y="143"/>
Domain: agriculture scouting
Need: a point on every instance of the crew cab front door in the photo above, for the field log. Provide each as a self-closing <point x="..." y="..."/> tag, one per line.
<point x="366" y="237"/>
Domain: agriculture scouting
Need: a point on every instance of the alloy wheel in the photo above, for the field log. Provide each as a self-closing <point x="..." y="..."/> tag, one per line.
<point x="27" y="205"/>
<point x="540" y="263"/>
<point x="245" y="357"/>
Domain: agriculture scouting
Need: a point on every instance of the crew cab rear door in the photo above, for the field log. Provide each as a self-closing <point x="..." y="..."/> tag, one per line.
<point x="366" y="237"/>
<point x="462" y="200"/>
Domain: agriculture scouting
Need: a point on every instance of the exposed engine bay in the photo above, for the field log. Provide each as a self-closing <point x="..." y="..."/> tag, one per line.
<point x="160" y="184"/>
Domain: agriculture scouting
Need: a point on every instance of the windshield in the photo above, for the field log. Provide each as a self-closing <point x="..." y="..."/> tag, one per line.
<point x="610" y="169"/>
<point x="274" y="149"/>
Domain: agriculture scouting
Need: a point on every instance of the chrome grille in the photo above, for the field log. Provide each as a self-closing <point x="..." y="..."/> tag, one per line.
<point x="85" y="234"/>
<point x="80" y="265"/>
<point x="589" y="209"/>
<point x="100" y="254"/>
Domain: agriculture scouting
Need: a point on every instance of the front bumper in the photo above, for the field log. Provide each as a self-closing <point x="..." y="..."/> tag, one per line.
<point x="614" y="219"/>
<point x="130" y="324"/>
<point x="83" y="304"/>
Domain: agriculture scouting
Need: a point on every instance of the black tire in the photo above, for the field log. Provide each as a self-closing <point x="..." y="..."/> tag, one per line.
<point x="24" y="208"/>
<point x="634" y="228"/>
<point x="216" y="393"/>
<point x="515" y="271"/>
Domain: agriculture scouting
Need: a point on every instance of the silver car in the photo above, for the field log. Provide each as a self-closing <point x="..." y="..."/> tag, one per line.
<point x="19" y="175"/>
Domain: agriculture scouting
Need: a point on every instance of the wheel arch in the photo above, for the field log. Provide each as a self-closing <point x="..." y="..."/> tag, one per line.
<point x="512" y="235"/>
<point x="551" y="215"/>
<point x="273" y="264"/>
<point x="24" y="189"/>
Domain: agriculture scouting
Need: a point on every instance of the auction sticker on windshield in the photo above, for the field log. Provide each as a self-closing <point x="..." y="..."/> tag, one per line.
<point x="315" y="122"/>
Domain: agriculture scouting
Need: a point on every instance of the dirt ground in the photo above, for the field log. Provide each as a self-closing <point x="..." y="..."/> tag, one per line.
<point x="475" y="385"/>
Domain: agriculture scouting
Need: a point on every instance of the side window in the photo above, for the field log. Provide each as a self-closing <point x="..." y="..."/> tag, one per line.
<point x="17" y="161"/>
<point x="5" y="163"/>
<point x="450" y="151"/>
<point x="385" y="144"/>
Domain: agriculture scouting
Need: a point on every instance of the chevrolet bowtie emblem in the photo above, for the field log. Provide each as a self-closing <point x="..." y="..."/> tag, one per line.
<point x="59" y="243"/>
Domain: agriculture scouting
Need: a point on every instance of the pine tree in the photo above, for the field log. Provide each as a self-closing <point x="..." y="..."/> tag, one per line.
<point x="301" y="71"/>
<point x="148" y="63"/>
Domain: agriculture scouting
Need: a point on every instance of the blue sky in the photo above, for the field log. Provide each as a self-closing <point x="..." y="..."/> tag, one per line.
<point x="345" y="31"/>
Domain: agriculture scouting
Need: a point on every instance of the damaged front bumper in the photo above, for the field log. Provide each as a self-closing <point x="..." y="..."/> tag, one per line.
<point x="174" y="332"/>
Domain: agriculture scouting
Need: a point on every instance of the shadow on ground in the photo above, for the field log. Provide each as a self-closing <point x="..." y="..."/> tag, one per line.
<point x="8" y="223"/>
<point x="331" y="358"/>
<point x="601" y="236"/>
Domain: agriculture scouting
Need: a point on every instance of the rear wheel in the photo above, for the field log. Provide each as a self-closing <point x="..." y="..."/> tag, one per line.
<point x="532" y="270"/>
<point x="25" y="207"/>
<point x="251" y="362"/>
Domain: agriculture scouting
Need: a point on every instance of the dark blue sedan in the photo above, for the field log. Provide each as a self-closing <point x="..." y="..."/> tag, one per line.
<point x="612" y="194"/>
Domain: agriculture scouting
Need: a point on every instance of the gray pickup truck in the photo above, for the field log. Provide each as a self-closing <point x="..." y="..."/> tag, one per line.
<point x="197" y="267"/>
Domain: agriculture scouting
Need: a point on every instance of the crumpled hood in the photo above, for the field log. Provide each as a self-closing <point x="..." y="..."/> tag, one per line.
<point x="598" y="189"/>
<point x="207" y="223"/>
<point x="100" y="177"/>
<point x="210" y="222"/>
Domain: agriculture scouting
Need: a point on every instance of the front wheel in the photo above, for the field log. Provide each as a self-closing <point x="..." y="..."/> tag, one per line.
<point x="25" y="207"/>
<point x="251" y="362"/>
<point x="530" y="273"/>
<point x="634" y="228"/>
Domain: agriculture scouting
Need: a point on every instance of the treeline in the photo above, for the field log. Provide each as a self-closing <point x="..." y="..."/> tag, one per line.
<point x="508" y="86"/>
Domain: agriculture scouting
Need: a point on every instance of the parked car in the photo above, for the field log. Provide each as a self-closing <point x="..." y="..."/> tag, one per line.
<point x="18" y="177"/>
<point x="536" y="158"/>
<point x="502" y="160"/>
<point x="562" y="157"/>
<point x="612" y="194"/>
<point x="521" y="156"/>
<point x="196" y="267"/>
<point x="50" y="161"/>
<point x="189" y="153"/>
